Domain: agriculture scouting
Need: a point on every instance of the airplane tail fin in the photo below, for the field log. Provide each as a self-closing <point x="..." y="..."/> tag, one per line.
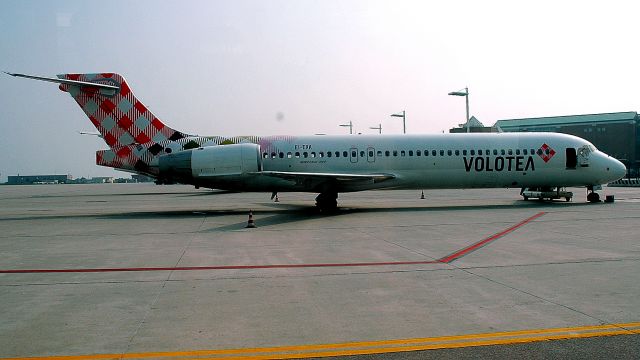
<point x="114" y="110"/>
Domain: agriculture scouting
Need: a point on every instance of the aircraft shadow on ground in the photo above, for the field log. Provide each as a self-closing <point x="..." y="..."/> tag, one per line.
<point x="270" y="214"/>
<point x="288" y="216"/>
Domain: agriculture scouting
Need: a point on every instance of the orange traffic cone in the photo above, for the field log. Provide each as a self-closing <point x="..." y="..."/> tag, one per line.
<point x="251" y="223"/>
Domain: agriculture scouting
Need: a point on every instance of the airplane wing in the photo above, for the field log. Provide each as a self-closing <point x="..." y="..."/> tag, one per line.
<point x="321" y="177"/>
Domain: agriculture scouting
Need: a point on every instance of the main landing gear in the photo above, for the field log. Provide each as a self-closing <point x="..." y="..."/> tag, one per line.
<point x="327" y="201"/>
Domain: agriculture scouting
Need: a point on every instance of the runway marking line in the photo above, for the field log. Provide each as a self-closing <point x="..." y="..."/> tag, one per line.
<point x="372" y="347"/>
<point x="444" y="260"/>
<point x="473" y="247"/>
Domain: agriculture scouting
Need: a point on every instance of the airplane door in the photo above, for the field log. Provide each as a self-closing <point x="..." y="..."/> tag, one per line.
<point x="353" y="155"/>
<point x="572" y="158"/>
<point x="371" y="154"/>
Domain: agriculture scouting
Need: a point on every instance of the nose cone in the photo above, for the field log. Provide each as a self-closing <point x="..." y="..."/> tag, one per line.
<point x="617" y="169"/>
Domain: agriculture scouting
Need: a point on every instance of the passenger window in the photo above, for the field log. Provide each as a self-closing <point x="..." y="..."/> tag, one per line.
<point x="525" y="151"/>
<point x="441" y="152"/>
<point x="480" y="152"/>
<point x="532" y="151"/>
<point x="297" y="154"/>
<point x="457" y="152"/>
<point x="321" y="154"/>
<point x="387" y="153"/>
<point x="313" y="154"/>
<point x="265" y="156"/>
<point x="289" y="155"/>
<point x="345" y="154"/>
<point x="395" y="152"/>
<point x="410" y="152"/>
<point x="517" y="151"/>
<point x="354" y="153"/>
<point x="361" y="153"/>
<point x="539" y="151"/>
<point x="305" y="154"/>
<point x="502" y="152"/>
<point x="418" y="153"/>
<point x="337" y="153"/>
<point x="371" y="153"/>
<point x="328" y="153"/>
<point x="473" y="152"/>
<point x="402" y="153"/>
<point x="379" y="153"/>
<point x="281" y="155"/>
<point x="273" y="155"/>
<point x="510" y="152"/>
<point x="495" y="151"/>
<point x="433" y="153"/>
<point x="464" y="152"/>
<point x="449" y="152"/>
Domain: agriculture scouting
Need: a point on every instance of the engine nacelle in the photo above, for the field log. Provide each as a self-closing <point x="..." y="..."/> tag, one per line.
<point x="211" y="164"/>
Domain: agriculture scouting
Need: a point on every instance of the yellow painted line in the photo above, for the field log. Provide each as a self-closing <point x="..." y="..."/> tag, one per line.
<point x="372" y="347"/>
<point x="419" y="347"/>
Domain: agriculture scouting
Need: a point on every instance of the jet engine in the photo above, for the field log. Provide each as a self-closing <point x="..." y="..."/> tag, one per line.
<point x="210" y="166"/>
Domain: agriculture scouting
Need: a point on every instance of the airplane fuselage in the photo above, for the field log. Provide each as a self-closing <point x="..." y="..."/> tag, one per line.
<point x="424" y="162"/>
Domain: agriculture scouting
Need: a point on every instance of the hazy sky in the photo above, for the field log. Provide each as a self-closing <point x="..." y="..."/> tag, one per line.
<point x="304" y="67"/>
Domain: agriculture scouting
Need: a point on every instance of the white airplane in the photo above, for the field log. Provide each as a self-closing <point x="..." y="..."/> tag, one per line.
<point x="541" y="164"/>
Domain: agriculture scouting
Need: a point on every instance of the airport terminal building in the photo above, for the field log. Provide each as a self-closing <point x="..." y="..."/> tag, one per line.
<point x="38" y="179"/>
<point x="617" y="134"/>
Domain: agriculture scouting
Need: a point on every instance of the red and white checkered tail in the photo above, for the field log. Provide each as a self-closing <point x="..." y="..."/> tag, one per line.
<point x="114" y="110"/>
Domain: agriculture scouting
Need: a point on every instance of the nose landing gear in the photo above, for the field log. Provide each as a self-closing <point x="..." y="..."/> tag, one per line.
<point x="592" y="195"/>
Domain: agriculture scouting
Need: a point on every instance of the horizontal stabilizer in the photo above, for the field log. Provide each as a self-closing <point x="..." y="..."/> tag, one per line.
<point x="107" y="89"/>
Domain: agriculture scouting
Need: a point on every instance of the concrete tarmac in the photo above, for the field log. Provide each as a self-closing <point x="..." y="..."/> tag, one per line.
<point x="139" y="271"/>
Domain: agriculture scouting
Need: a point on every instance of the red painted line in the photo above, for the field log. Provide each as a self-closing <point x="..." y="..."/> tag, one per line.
<point x="227" y="267"/>
<point x="473" y="247"/>
<point x="447" y="259"/>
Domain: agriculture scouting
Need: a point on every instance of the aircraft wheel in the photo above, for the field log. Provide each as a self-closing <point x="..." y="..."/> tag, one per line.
<point x="567" y="198"/>
<point x="593" y="197"/>
<point x="327" y="202"/>
<point x="525" y="197"/>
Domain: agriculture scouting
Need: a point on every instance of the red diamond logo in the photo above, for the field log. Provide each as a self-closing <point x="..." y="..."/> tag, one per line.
<point x="141" y="109"/>
<point x="124" y="122"/>
<point x="157" y="124"/>
<point x="124" y="89"/>
<point x="124" y="152"/>
<point x="142" y="138"/>
<point x="546" y="152"/>
<point x="110" y="139"/>
<point x="107" y="106"/>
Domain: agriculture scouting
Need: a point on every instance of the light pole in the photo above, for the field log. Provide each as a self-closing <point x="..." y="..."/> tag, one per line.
<point x="404" y="123"/>
<point x="349" y="125"/>
<point x="464" y="93"/>
<point x="379" y="128"/>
